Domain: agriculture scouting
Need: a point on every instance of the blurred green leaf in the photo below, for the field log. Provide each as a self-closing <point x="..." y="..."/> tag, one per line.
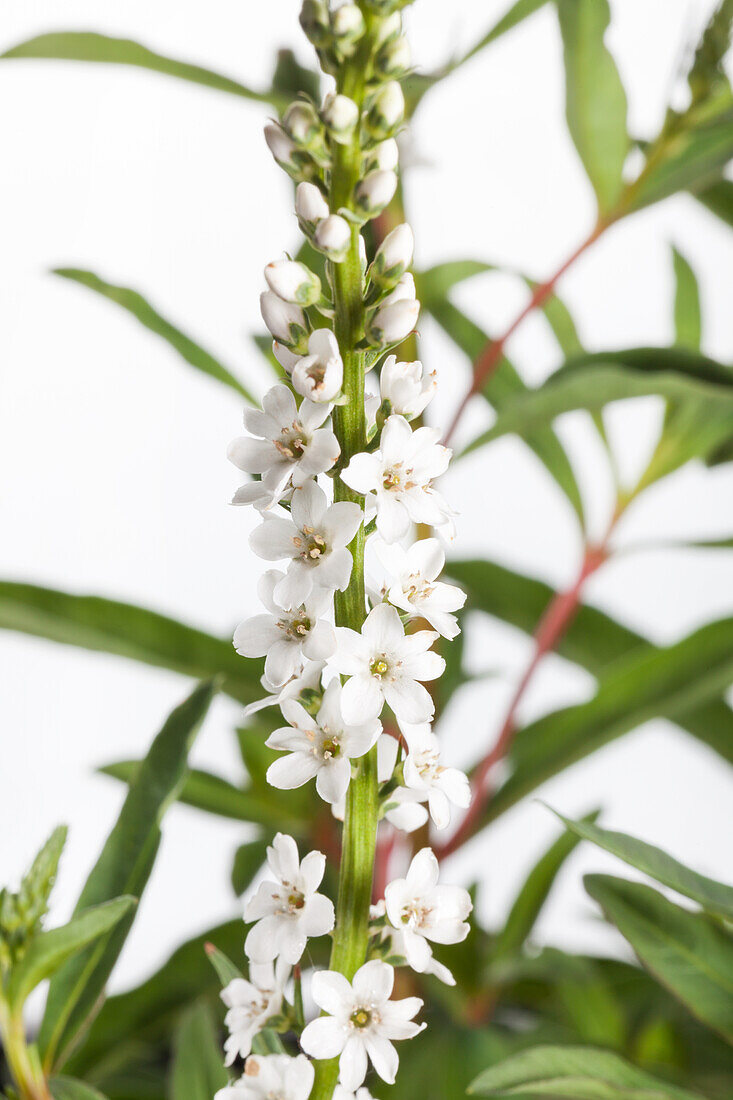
<point x="248" y="859"/>
<point x="88" y="46"/>
<point x="686" y="952"/>
<point x="68" y="1088"/>
<point x="124" y="866"/>
<point x="141" y="309"/>
<point x="291" y="78"/>
<point x="718" y="198"/>
<point x="218" y="796"/>
<point x="595" y="97"/>
<point x="225" y="969"/>
<point x="531" y="898"/>
<point x="108" y="626"/>
<point x="197" y="1072"/>
<point x="579" y="1072"/>
<point x="714" y="897"/>
<point x="50" y="950"/>
<point x="687" y="313"/>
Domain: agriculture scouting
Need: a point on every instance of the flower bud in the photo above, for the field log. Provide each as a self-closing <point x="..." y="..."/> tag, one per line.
<point x="391" y="26"/>
<point x="394" y="58"/>
<point x="293" y="282"/>
<point x="385" y="156"/>
<point x="340" y="115"/>
<point x="319" y="375"/>
<point x="374" y="192"/>
<point x="386" y="111"/>
<point x="285" y="321"/>
<point x="406" y="387"/>
<point x="285" y="357"/>
<point x="393" y="257"/>
<point x="347" y="24"/>
<point x="280" y="145"/>
<point x="315" y="22"/>
<point x="393" y="323"/>
<point x="302" y="123"/>
<point x="404" y="291"/>
<point x="333" y="237"/>
<point x="310" y="205"/>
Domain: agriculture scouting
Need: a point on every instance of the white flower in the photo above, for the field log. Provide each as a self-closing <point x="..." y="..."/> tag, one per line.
<point x="340" y="114"/>
<point x="279" y="144"/>
<point x="416" y="590"/>
<point x="360" y="1023"/>
<point x="293" y="282"/>
<point x="315" y="536"/>
<point x="251" y="1004"/>
<point x="375" y="191"/>
<point x="285" y="320"/>
<point x="384" y="665"/>
<point x="421" y="910"/>
<point x="272" y="1077"/>
<point x="333" y="236"/>
<point x="386" y="111"/>
<point x="289" y="910"/>
<point x="289" y="443"/>
<point x="394" y="255"/>
<point x="400" y="476"/>
<point x="308" y="679"/>
<point x="321" y="747"/>
<point x="287" y="634"/>
<point x="393" y="322"/>
<point x="319" y="375"/>
<point x="285" y="357"/>
<point x="406" y="387"/>
<point x="310" y="205"/>
<point x="340" y="1093"/>
<point x="424" y="775"/>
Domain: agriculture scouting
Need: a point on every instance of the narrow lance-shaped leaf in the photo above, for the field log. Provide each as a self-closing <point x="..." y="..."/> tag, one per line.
<point x="124" y="865"/>
<point x="109" y="626"/>
<point x="141" y="309"/>
<point x="69" y="1088"/>
<point x="718" y="199"/>
<point x="100" y="48"/>
<point x="580" y="1072"/>
<point x="686" y="952"/>
<point x="687" y="313"/>
<point x="595" y="97"/>
<point x="714" y="897"/>
<point x="197" y="1072"/>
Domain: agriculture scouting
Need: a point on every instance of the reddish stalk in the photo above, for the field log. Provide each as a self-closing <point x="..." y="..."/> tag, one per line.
<point x="491" y="356"/>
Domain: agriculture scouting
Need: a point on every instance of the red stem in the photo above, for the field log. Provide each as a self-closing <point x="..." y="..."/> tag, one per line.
<point x="492" y="354"/>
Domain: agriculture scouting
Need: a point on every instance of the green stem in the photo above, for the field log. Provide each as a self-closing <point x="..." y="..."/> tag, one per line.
<point x="358" y="842"/>
<point x="26" y="1074"/>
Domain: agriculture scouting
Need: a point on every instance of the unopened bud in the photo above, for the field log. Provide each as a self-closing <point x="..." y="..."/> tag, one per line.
<point x="285" y="321"/>
<point x="404" y="291"/>
<point x="393" y="257"/>
<point x="374" y="192"/>
<point x="390" y="27"/>
<point x="315" y="22"/>
<point x="393" y="323"/>
<point x="293" y="282"/>
<point x="302" y="123"/>
<point x="333" y="237"/>
<point x="347" y="24"/>
<point x="386" y="156"/>
<point x="310" y="205"/>
<point x="394" y="58"/>
<point x="280" y="145"/>
<point x="386" y="111"/>
<point x="340" y="115"/>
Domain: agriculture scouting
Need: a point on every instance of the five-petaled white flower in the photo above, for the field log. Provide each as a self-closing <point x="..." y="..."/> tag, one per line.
<point x="315" y="536"/>
<point x="321" y="747"/>
<point x="423" y="773"/>
<point x="422" y="910"/>
<point x="290" y="444"/>
<point x="287" y="634"/>
<point x="416" y="589"/>
<point x="406" y="386"/>
<point x="384" y="665"/>
<point x="251" y="1004"/>
<point x="289" y="910"/>
<point x="272" y="1077"/>
<point x="361" y="1022"/>
<point x="319" y="375"/>
<point x="400" y="477"/>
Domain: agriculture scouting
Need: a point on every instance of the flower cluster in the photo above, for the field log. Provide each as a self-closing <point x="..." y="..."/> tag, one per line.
<point x="332" y="472"/>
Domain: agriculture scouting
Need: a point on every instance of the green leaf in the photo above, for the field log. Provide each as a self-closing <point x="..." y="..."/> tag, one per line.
<point x="652" y="683"/>
<point x="718" y="198"/>
<point x="87" y="46"/>
<point x="687" y="313"/>
<point x="532" y="896"/>
<point x="124" y="866"/>
<point x="50" y="950"/>
<point x="197" y="1072"/>
<point x="595" y="98"/>
<point x="579" y="1072"/>
<point x="593" y="1009"/>
<point x="127" y="631"/>
<point x="218" y="796"/>
<point x="148" y="1011"/>
<point x="69" y="1088"/>
<point x="141" y="309"/>
<point x="247" y="862"/>
<point x="714" y="897"/>
<point x="225" y="969"/>
<point x="686" y="952"/>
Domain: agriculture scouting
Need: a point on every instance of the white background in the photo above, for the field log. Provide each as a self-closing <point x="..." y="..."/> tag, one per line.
<point x="114" y="479"/>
